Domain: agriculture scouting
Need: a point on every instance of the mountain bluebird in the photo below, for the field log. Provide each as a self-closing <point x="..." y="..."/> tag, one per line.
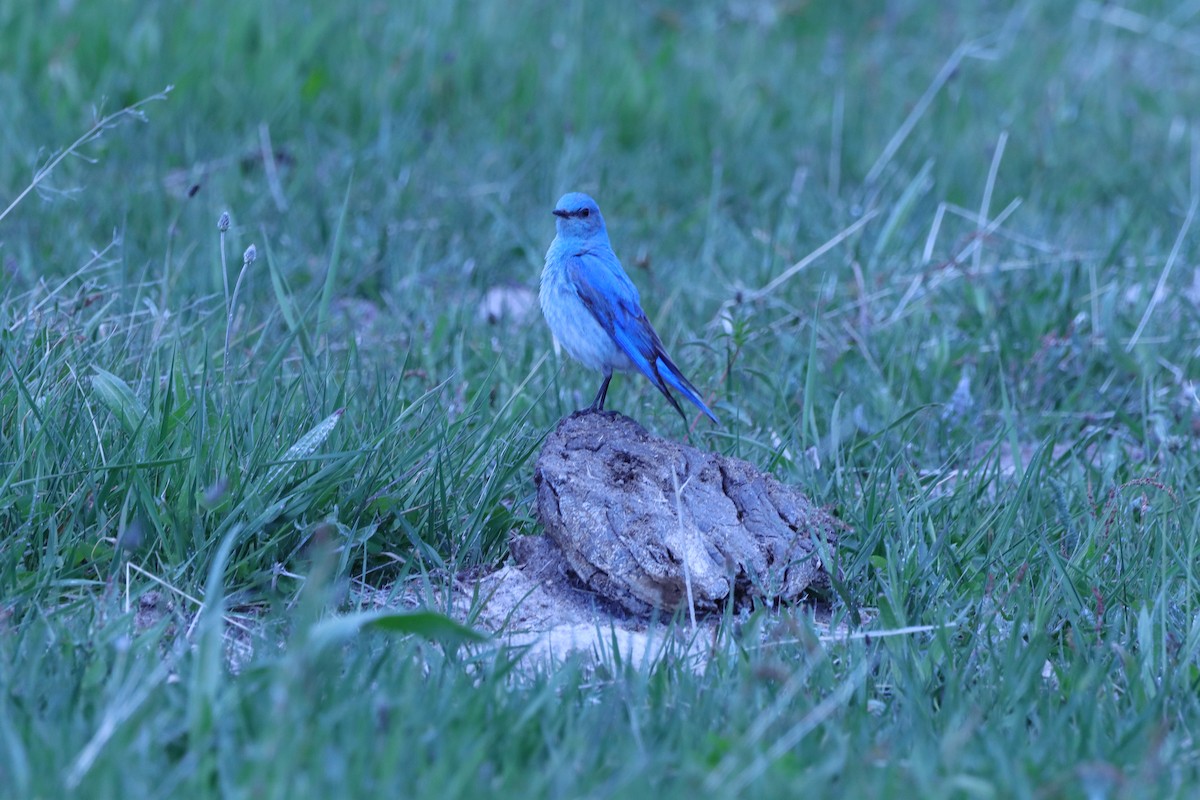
<point x="594" y="310"/>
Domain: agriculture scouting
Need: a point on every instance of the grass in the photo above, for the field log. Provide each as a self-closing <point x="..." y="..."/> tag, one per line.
<point x="981" y="377"/>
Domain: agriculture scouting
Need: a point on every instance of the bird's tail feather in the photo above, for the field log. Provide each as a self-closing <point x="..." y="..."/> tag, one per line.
<point x="671" y="374"/>
<point x="644" y="349"/>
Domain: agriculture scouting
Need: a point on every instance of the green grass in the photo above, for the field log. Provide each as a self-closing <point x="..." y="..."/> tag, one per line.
<point x="371" y="426"/>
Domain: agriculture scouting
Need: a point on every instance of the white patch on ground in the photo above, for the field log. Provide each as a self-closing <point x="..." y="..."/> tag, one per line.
<point x="539" y="609"/>
<point x="506" y="302"/>
<point x="554" y="620"/>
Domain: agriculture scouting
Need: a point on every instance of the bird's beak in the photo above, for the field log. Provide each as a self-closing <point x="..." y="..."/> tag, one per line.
<point x="558" y="212"/>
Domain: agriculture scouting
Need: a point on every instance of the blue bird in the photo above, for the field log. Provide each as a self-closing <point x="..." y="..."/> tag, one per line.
<point x="594" y="311"/>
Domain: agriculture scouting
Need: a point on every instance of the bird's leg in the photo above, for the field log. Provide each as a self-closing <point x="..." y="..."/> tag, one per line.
<point x="598" y="403"/>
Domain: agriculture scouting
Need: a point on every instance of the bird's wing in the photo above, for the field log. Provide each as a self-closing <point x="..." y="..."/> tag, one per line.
<point x="612" y="299"/>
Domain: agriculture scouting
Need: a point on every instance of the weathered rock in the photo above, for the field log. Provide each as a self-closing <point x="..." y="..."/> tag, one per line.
<point x="629" y="510"/>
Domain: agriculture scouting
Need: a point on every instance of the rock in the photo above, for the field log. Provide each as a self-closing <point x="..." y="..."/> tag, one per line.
<point x="635" y="516"/>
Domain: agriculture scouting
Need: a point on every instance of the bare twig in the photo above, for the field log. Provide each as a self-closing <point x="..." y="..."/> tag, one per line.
<point x="272" y="172"/>
<point x="1129" y="20"/>
<point x="986" y="205"/>
<point x="1166" y="272"/>
<point x="918" y="111"/>
<point x="803" y="263"/>
<point x="92" y="134"/>
<point x="686" y="554"/>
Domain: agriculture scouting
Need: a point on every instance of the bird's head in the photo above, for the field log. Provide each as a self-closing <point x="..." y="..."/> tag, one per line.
<point x="578" y="217"/>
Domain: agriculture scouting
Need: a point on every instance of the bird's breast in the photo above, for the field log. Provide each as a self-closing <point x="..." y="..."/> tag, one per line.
<point x="573" y="325"/>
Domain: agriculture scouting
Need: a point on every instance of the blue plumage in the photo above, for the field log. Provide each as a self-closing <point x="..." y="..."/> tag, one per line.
<point x="594" y="310"/>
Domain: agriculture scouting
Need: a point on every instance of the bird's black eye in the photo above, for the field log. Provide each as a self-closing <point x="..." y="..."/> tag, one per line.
<point x="584" y="212"/>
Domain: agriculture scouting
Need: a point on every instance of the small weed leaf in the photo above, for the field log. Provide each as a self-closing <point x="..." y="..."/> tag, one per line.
<point x="305" y="446"/>
<point x="120" y="399"/>
<point x="429" y="625"/>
